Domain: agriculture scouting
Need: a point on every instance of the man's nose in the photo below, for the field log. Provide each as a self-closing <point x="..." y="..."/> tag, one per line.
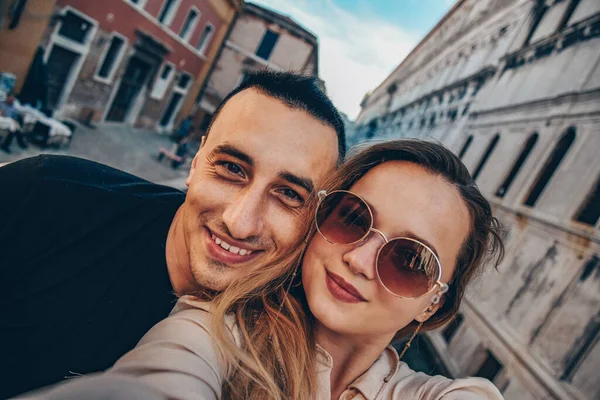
<point x="362" y="258"/>
<point x="244" y="215"/>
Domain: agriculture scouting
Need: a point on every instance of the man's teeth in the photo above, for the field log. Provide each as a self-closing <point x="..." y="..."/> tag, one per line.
<point x="230" y="248"/>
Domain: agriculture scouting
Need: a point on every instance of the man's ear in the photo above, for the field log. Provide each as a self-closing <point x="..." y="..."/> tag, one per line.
<point x="194" y="164"/>
<point x="202" y="141"/>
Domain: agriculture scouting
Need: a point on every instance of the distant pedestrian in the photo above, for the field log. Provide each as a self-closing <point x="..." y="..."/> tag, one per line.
<point x="185" y="128"/>
<point x="8" y="110"/>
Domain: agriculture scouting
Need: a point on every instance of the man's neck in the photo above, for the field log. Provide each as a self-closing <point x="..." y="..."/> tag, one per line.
<point x="178" y="257"/>
<point x="352" y="357"/>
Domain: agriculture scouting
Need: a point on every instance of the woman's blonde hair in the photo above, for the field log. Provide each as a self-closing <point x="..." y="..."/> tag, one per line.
<point x="277" y="357"/>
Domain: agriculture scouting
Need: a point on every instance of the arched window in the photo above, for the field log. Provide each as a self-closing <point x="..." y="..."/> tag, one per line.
<point x="589" y="211"/>
<point x="465" y="147"/>
<point x="517" y="165"/>
<point x="486" y="155"/>
<point x="551" y="166"/>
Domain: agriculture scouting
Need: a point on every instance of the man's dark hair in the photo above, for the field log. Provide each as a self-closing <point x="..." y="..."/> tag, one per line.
<point x="296" y="91"/>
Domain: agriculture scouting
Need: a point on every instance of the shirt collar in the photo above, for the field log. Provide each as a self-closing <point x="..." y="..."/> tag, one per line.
<point x="370" y="383"/>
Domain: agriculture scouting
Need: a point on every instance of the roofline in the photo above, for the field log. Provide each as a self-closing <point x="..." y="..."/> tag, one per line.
<point x="421" y="43"/>
<point x="282" y="20"/>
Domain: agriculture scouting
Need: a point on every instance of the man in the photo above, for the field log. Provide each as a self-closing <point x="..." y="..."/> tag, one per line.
<point x="8" y="110"/>
<point x="91" y="256"/>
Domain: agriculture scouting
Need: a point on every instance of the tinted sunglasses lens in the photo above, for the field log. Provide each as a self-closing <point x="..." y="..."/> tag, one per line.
<point x="343" y="218"/>
<point x="407" y="268"/>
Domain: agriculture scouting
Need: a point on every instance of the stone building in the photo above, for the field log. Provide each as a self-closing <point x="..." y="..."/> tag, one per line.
<point x="513" y="87"/>
<point x="138" y="62"/>
<point x="260" y="39"/>
<point x="22" y="25"/>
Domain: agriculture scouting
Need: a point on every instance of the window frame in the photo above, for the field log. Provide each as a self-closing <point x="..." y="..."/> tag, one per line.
<point x="517" y="164"/>
<point x="141" y="5"/>
<point x="267" y="30"/>
<point x="117" y="61"/>
<point x="483" y="160"/>
<point x="153" y="94"/>
<point x="549" y="157"/>
<point x="171" y="15"/>
<point x="585" y="202"/>
<point x="188" y="35"/>
<point x="202" y="49"/>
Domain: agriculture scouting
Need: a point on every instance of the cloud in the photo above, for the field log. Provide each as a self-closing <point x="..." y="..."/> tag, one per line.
<point x="357" y="52"/>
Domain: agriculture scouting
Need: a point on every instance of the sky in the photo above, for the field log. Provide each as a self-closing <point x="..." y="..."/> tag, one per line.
<point x="361" y="41"/>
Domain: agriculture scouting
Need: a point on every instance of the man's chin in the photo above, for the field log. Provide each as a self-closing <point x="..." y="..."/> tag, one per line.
<point x="212" y="278"/>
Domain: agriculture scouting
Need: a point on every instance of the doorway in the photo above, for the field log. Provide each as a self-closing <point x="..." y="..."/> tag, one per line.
<point x="131" y="84"/>
<point x="59" y="66"/>
<point x="172" y="107"/>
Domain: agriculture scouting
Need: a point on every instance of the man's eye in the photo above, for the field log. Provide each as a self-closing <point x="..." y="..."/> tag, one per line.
<point x="290" y="197"/>
<point x="291" y="194"/>
<point x="232" y="168"/>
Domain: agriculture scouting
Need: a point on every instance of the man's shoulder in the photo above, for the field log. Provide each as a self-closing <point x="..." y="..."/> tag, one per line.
<point x="56" y="171"/>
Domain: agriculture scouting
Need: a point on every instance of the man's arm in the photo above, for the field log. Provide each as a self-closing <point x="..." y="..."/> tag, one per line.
<point x="19" y="182"/>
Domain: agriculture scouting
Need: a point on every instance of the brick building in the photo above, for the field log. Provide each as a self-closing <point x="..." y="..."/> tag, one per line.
<point x="260" y="39"/>
<point x="139" y="62"/>
<point x="513" y="87"/>
<point x="22" y="25"/>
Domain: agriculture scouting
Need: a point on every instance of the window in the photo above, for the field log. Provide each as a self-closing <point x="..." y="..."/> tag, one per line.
<point x="551" y="166"/>
<point x="112" y="56"/>
<point x="486" y="156"/>
<point x="166" y="71"/>
<point x="490" y="368"/>
<point x="75" y="27"/>
<point x="450" y="330"/>
<point x="183" y="81"/>
<point x="162" y="81"/>
<point x="189" y="24"/>
<point x="589" y="212"/>
<point x="138" y="3"/>
<point x="465" y="147"/>
<point x="582" y="10"/>
<point x="167" y="13"/>
<point x="265" y="48"/>
<point x="205" y="38"/>
<point x="517" y="165"/>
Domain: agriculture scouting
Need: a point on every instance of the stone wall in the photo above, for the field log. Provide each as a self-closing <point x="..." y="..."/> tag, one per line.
<point x="504" y="74"/>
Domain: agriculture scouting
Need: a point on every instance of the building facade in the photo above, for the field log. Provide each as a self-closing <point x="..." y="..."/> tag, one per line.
<point x="260" y="39"/>
<point x="22" y="25"/>
<point x="138" y="62"/>
<point x="513" y="87"/>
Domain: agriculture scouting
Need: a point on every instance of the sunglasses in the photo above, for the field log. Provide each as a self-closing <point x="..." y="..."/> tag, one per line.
<point x="406" y="267"/>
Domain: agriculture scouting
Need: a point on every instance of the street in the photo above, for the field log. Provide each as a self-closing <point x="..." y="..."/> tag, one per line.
<point x="121" y="147"/>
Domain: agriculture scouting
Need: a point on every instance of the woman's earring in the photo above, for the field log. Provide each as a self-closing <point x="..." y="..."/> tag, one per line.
<point x="407" y="345"/>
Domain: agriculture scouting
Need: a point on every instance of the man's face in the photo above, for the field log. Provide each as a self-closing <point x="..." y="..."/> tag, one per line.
<point x="248" y="186"/>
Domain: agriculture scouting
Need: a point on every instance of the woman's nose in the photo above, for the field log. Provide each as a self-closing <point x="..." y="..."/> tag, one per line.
<point x="362" y="258"/>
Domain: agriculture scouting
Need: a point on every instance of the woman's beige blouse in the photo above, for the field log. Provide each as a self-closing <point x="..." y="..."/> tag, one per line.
<point x="177" y="358"/>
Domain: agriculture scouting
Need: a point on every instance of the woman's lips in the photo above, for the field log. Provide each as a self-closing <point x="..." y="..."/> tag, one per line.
<point x="342" y="290"/>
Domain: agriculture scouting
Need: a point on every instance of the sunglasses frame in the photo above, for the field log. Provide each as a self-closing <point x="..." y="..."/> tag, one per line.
<point x="443" y="287"/>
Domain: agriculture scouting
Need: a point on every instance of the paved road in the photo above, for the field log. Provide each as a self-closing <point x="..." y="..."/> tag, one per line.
<point x="121" y="147"/>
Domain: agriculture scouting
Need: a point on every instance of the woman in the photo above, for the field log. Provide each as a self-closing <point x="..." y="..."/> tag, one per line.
<point x="402" y="230"/>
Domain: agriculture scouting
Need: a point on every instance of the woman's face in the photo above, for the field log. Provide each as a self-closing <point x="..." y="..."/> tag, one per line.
<point x="408" y="201"/>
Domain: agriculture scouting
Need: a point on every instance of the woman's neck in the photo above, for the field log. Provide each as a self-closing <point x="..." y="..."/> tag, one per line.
<point x="352" y="356"/>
